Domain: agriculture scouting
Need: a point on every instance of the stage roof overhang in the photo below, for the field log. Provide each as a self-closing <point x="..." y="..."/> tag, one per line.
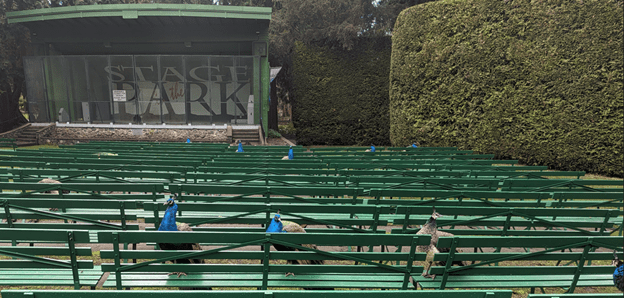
<point x="118" y="29"/>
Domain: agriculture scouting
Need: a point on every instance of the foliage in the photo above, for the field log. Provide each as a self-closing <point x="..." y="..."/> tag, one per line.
<point x="342" y="96"/>
<point x="336" y="24"/>
<point x="287" y="129"/>
<point x="273" y="134"/>
<point x="539" y="81"/>
<point x="14" y="44"/>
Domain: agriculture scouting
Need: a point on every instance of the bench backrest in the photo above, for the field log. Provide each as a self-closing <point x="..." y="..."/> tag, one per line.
<point x="226" y="244"/>
<point x="27" y="257"/>
<point x="90" y="215"/>
<point x="572" y="221"/>
<point x="541" y="249"/>
<point x="27" y="188"/>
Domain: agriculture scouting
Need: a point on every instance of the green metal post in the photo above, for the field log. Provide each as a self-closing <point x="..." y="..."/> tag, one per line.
<point x="117" y="261"/>
<point x="449" y="263"/>
<point x="581" y="264"/>
<point x="72" y="257"/>
<point x="410" y="263"/>
<point x="265" y="263"/>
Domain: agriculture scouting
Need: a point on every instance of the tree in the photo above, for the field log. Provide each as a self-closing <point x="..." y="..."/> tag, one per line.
<point x="15" y="44"/>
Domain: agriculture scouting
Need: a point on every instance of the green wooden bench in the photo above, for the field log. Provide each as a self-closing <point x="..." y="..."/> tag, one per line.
<point x="156" y="172"/>
<point x="336" y="195"/>
<point x="410" y="148"/>
<point x="26" y="189"/>
<point x="8" y="143"/>
<point x="341" y="273"/>
<point x="80" y="176"/>
<point x="28" y="267"/>
<point x="515" y="221"/>
<point x="550" y="262"/>
<point x="255" y="294"/>
<point x="11" y="161"/>
<point x="471" y="183"/>
<point x="367" y="218"/>
<point x="296" y="193"/>
<point x="108" y="160"/>
<point x="85" y="215"/>
<point x="551" y="199"/>
<point x="261" y="214"/>
<point x="430" y="172"/>
<point x="369" y="156"/>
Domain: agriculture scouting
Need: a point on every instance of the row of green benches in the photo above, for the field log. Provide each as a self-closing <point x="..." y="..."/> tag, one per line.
<point x="515" y="268"/>
<point x="91" y="214"/>
<point x="208" y="146"/>
<point x="259" y="294"/>
<point x="299" y="168"/>
<point x="205" y="173"/>
<point x="366" y="182"/>
<point x="451" y="183"/>
<point x="287" y="294"/>
<point x="237" y="162"/>
<point x="167" y="153"/>
<point x="268" y="194"/>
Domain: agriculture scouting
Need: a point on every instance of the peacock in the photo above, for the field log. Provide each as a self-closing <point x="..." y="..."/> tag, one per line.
<point x="290" y="155"/>
<point x="431" y="228"/>
<point x="240" y="147"/>
<point x="168" y="223"/>
<point x="618" y="274"/>
<point x="279" y="226"/>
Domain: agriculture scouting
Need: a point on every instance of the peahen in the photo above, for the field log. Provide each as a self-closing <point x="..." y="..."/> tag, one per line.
<point x="55" y="192"/>
<point x="618" y="274"/>
<point x="431" y="228"/>
<point x="168" y="223"/>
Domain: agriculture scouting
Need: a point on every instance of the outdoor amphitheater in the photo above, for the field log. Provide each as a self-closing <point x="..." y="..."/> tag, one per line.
<point x="82" y="220"/>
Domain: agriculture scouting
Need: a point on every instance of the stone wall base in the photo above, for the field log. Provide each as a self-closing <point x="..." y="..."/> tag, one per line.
<point x="72" y="135"/>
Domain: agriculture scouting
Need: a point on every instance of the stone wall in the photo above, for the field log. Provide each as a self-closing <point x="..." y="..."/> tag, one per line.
<point x="71" y="135"/>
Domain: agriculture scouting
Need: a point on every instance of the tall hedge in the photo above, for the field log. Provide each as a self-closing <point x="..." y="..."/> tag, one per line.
<point x="341" y="96"/>
<point x="540" y="81"/>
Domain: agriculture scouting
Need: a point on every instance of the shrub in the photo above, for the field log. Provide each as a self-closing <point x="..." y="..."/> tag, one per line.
<point x="273" y="134"/>
<point x="340" y="96"/>
<point x="538" y="81"/>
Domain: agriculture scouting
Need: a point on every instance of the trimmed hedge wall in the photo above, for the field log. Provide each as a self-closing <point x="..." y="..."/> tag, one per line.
<point x="539" y="81"/>
<point x="340" y="96"/>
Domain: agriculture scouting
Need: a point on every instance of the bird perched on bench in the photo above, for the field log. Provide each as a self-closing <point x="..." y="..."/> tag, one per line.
<point x="279" y="226"/>
<point x="290" y="155"/>
<point x="618" y="274"/>
<point x="240" y="147"/>
<point x="431" y="228"/>
<point x="168" y="223"/>
<point x="55" y="192"/>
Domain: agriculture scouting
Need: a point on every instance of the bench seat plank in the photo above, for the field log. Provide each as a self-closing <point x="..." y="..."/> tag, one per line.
<point x="50" y="277"/>
<point x="145" y="279"/>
